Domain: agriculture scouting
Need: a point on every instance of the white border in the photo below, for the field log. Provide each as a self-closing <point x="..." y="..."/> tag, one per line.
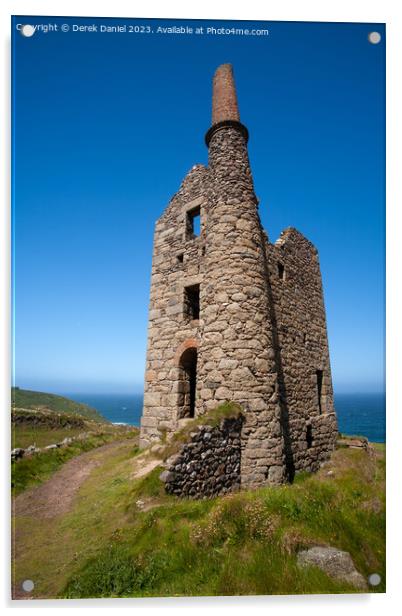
<point x="283" y="10"/>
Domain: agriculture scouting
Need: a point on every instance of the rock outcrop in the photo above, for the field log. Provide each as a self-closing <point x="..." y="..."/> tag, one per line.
<point x="335" y="563"/>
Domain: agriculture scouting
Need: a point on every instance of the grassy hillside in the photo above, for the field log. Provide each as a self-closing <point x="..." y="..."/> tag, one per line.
<point x="245" y="543"/>
<point x="43" y="419"/>
<point x="26" y="399"/>
<point x="42" y="428"/>
<point x="124" y="537"/>
<point x="36" y="469"/>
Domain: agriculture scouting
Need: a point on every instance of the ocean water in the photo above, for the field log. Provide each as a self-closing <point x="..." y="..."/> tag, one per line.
<point x="360" y="414"/>
<point x="117" y="408"/>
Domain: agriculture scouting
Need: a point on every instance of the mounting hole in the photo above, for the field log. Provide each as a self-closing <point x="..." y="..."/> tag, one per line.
<point x="374" y="579"/>
<point x="28" y="585"/>
<point x="27" y="30"/>
<point x="374" y="38"/>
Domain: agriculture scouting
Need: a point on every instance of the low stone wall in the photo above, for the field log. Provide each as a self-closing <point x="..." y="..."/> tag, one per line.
<point x="209" y="464"/>
<point x="43" y="417"/>
<point x="19" y="452"/>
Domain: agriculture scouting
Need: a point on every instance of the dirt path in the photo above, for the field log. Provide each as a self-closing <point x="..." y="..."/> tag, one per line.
<point x="55" y="496"/>
<point x="49" y="502"/>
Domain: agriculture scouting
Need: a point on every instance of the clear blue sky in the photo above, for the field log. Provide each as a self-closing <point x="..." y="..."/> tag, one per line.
<point x="105" y="128"/>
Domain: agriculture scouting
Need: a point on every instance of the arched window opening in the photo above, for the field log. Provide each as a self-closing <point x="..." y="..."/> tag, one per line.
<point x="188" y="379"/>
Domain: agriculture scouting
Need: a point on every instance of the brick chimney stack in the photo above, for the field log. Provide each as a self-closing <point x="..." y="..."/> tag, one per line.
<point x="224" y="99"/>
<point x="225" y="110"/>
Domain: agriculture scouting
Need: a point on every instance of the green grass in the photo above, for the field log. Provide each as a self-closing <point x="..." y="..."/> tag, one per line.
<point x="244" y="543"/>
<point x="46" y="427"/>
<point x="149" y="486"/>
<point x="36" y="468"/>
<point x="24" y="436"/>
<point x="50" y="550"/>
<point x="116" y="573"/>
<point x="27" y="399"/>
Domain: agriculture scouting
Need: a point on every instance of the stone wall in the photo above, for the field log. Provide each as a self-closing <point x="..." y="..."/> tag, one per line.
<point x="177" y="262"/>
<point x="209" y="464"/>
<point x="237" y="334"/>
<point x="301" y="346"/>
<point x="324" y="431"/>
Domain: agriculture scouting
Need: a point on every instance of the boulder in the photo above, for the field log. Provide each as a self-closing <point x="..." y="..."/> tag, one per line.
<point x="166" y="476"/>
<point x="335" y="563"/>
<point x="17" y="453"/>
<point x="359" y="442"/>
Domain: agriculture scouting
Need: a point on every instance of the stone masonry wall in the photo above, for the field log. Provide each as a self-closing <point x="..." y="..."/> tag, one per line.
<point x="301" y="344"/>
<point x="237" y="335"/>
<point x="209" y="464"/>
<point x="169" y="331"/>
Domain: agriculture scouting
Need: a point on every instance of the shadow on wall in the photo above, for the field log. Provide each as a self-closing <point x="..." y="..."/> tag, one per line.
<point x="289" y="461"/>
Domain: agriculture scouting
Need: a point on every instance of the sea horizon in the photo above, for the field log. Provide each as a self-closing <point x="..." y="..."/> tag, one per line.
<point x="359" y="413"/>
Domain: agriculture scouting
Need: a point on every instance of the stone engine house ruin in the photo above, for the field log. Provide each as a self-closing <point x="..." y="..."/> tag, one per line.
<point x="234" y="317"/>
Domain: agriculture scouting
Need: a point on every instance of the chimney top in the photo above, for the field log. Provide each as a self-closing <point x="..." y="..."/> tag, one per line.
<point x="224" y="99"/>
<point x="225" y="112"/>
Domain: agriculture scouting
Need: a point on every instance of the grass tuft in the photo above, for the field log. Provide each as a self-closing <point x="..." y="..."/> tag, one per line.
<point x="115" y="573"/>
<point x="149" y="486"/>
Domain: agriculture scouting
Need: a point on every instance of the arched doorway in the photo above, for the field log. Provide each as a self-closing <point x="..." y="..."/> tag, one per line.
<point x="188" y="380"/>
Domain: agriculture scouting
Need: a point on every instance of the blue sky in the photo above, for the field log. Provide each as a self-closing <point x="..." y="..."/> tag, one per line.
<point x="105" y="128"/>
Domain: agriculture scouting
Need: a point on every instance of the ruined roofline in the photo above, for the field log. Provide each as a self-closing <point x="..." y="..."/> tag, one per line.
<point x="196" y="170"/>
<point x="225" y="114"/>
<point x="291" y="233"/>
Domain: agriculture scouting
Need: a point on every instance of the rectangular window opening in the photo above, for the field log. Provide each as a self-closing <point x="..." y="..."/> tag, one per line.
<point x="192" y="302"/>
<point x="193" y="223"/>
<point x="319" y="374"/>
<point x="281" y="271"/>
<point x="180" y="257"/>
